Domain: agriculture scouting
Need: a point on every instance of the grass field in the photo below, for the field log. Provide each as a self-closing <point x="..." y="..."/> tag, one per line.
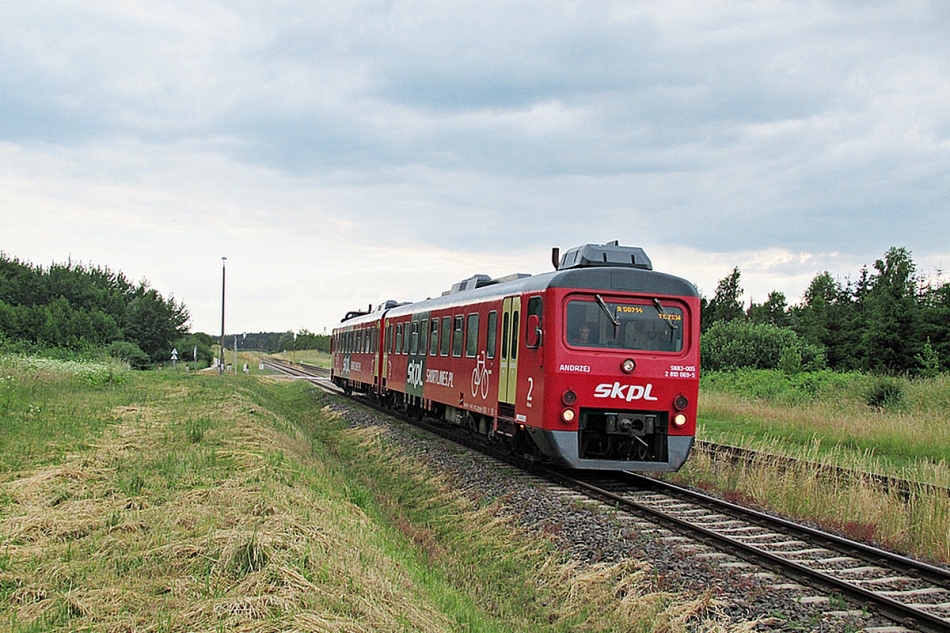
<point x="169" y="501"/>
<point x="893" y="426"/>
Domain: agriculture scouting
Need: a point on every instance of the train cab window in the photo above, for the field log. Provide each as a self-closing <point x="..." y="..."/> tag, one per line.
<point x="625" y="325"/>
<point x="457" y="337"/>
<point x="434" y="337"/>
<point x="492" y="339"/>
<point x="471" y="336"/>
<point x="446" y="336"/>
<point x="535" y="308"/>
<point x="414" y="346"/>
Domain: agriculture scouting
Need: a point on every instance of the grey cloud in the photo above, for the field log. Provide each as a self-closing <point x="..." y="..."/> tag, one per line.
<point x="722" y="127"/>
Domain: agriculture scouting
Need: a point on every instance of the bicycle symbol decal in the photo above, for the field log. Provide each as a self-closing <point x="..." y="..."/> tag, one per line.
<point x="480" y="377"/>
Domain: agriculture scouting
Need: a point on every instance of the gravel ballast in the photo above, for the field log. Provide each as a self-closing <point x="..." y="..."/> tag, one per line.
<point x="592" y="533"/>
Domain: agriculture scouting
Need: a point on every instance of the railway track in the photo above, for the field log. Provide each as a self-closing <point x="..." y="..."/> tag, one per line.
<point x="908" y="592"/>
<point x="903" y="487"/>
<point x="302" y="370"/>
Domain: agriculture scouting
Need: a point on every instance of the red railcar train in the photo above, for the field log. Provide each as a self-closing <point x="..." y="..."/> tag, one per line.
<point x="594" y="365"/>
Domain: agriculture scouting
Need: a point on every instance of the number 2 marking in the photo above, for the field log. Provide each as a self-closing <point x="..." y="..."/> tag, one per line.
<point x="530" y="389"/>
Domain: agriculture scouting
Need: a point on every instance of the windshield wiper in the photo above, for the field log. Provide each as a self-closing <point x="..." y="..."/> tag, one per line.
<point x="659" y="308"/>
<point x="603" y="306"/>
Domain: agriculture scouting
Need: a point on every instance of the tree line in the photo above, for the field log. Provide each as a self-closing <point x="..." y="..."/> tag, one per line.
<point x="80" y="308"/>
<point x="890" y="319"/>
<point x="271" y="342"/>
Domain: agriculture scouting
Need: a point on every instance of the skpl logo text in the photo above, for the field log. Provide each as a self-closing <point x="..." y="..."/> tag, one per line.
<point x="624" y="392"/>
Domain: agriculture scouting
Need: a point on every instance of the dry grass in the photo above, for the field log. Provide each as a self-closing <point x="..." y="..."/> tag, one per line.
<point x="857" y="508"/>
<point x="206" y="507"/>
<point x="908" y="439"/>
<point x="836" y="421"/>
<point x="251" y="551"/>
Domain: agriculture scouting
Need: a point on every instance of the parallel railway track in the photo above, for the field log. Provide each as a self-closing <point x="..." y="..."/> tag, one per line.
<point x="904" y="487"/>
<point x="911" y="593"/>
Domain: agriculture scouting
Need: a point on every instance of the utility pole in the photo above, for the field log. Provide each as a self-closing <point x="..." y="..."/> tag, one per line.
<point x="221" y="365"/>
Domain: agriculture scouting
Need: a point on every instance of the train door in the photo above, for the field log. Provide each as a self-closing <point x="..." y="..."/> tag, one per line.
<point x="508" y="372"/>
<point x="418" y="346"/>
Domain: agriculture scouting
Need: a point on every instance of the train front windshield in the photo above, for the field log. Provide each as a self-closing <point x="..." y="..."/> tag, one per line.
<point x="628" y="325"/>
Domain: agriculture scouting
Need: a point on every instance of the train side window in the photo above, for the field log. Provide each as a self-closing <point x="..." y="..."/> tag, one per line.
<point x="505" y="329"/>
<point x="535" y="308"/>
<point x="514" y="334"/>
<point x="374" y="341"/>
<point x="399" y="338"/>
<point x="388" y="345"/>
<point x="414" y="345"/>
<point x="405" y="338"/>
<point x="491" y="341"/>
<point x="446" y="336"/>
<point x="471" y="336"/>
<point x="457" y="337"/>
<point x="434" y="337"/>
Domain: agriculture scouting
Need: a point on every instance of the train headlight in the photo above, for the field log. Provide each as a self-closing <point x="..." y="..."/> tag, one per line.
<point x="567" y="416"/>
<point x="679" y="419"/>
<point x="628" y="366"/>
<point x="680" y="402"/>
<point x="569" y="397"/>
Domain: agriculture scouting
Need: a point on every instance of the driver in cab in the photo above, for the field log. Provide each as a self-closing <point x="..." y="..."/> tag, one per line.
<point x="583" y="336"/>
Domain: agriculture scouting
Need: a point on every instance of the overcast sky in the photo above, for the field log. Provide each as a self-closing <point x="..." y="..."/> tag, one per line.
<point x="344" y="153"/>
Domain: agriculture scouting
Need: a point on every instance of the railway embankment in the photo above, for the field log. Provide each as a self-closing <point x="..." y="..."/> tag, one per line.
<point x="176" y="502"/>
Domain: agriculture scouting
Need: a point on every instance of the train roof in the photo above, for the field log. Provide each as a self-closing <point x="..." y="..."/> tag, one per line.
<point x="606" y="268"/>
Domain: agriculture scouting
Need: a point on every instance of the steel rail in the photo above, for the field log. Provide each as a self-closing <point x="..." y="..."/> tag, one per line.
<point x="886" y="606"/>
<point x="907" y="615"/>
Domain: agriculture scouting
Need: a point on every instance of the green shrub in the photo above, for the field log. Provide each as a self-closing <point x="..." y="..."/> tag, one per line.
<point x="738" y="344"/>
<point x="928" y="363"/>
<point x="130" y="353"/>
<point x="885" y="393"/>
<point x="782" y="388"/>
